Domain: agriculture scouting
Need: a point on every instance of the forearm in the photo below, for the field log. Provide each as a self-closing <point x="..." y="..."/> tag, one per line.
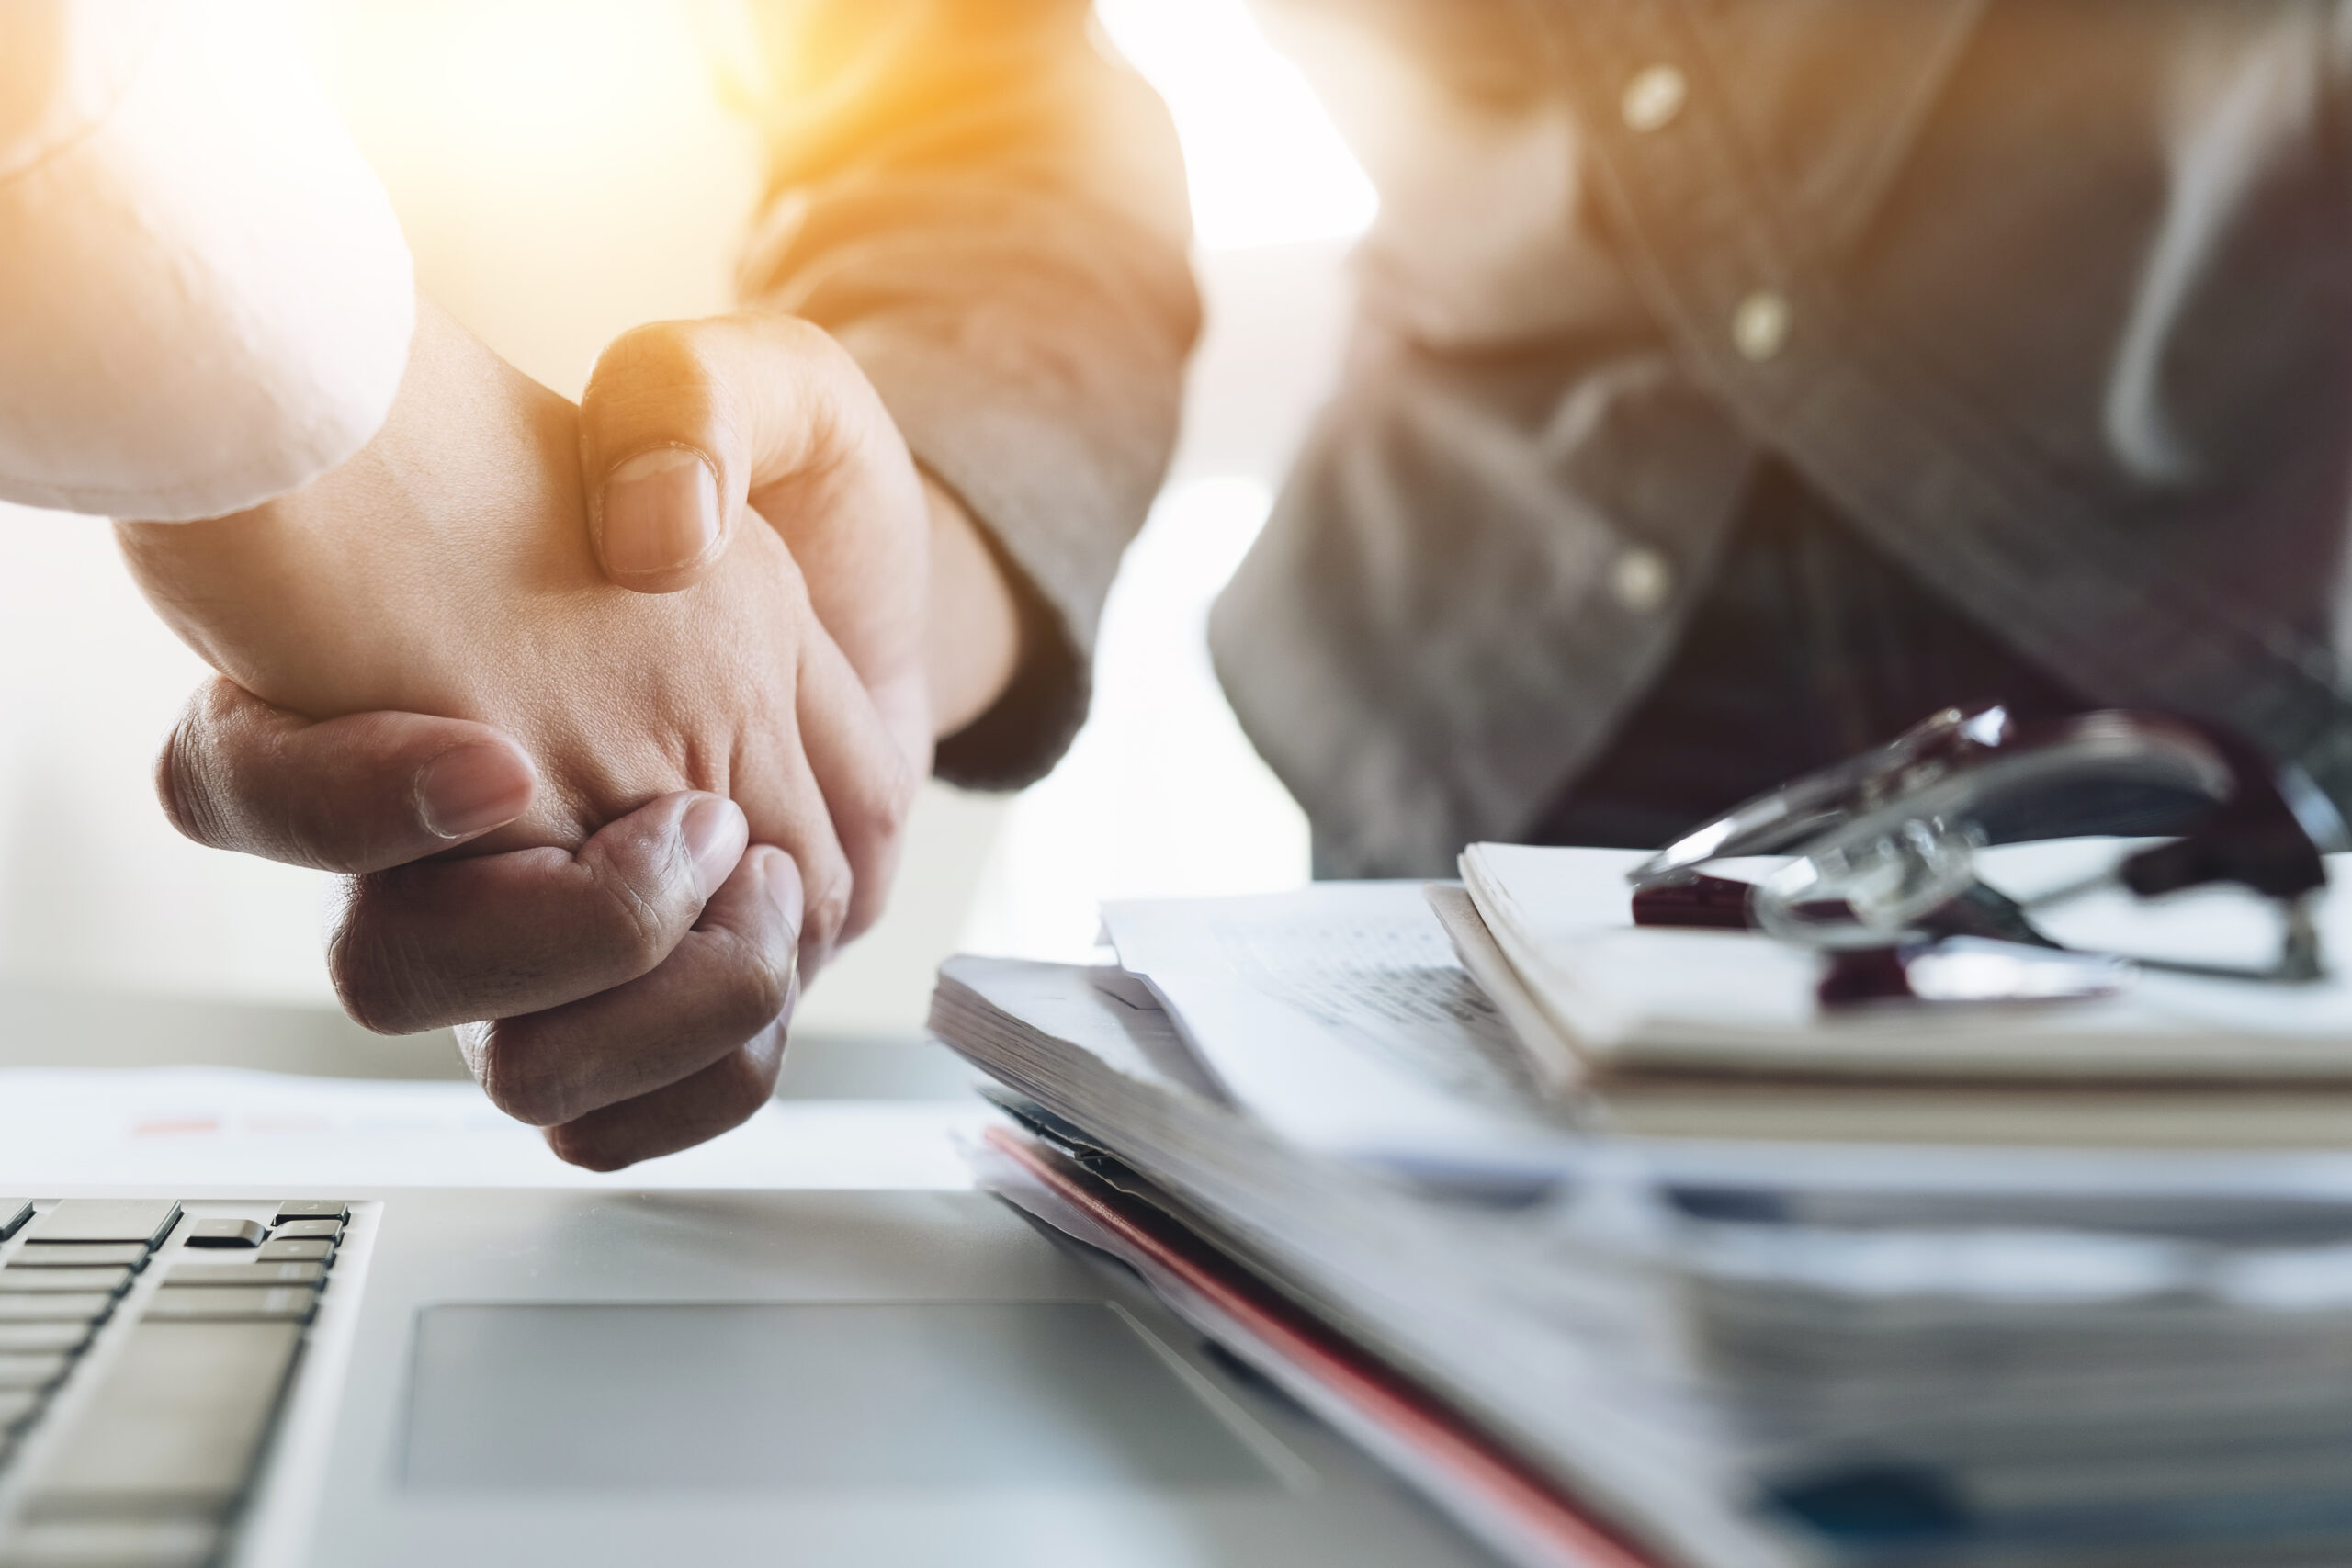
<point x="318" y="601"/>
<point x="987" y="212"/>
<point x="975" y="622"/>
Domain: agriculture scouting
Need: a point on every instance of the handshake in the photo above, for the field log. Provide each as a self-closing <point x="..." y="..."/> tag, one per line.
<point x="611" y="715"/>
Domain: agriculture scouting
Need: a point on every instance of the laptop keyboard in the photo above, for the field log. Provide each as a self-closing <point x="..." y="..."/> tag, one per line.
<point x="146" y="1346"/>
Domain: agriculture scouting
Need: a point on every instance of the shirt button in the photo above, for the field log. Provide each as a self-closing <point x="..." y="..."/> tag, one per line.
<point x="1641" y="579"/>
<point x="1761" y="325"/>
<point x="1653" y="97"/>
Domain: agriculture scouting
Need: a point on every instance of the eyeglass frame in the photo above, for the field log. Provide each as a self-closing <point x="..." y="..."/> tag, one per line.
<point x="2267" y="828"/>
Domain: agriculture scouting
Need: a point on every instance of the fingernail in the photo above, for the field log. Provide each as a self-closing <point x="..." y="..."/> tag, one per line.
<point x="715" y="833"/>
<point x="661" y="511"/>
<point x="471" y="789"/>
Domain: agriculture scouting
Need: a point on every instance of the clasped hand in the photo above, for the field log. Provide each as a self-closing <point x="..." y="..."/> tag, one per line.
<point x="603" y="829"/>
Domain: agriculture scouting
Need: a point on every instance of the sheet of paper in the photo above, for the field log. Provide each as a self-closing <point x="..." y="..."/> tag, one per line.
<point x="164" y="1127"/>
<point x="1338" y="1015"/>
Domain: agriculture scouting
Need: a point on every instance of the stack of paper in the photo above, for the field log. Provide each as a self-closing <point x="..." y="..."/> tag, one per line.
<point x="1450" y="1292"/>
<point x="1716" y="1353"/>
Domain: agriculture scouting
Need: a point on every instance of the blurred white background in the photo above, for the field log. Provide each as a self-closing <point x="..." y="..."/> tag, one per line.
<point x="565" y="170"/>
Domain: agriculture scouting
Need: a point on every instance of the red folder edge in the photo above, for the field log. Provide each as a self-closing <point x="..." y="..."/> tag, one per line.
<point x="1488" y="1487"/>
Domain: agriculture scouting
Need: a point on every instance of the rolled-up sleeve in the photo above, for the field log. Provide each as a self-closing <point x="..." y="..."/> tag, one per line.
<point x="205" y="298"/>
<point x="987" y="210"/>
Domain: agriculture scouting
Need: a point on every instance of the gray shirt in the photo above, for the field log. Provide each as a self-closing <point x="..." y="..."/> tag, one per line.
<point x="2052" y="298"/>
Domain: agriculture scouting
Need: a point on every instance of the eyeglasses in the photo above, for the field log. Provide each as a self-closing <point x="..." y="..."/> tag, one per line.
<point x="1882" y="850"/>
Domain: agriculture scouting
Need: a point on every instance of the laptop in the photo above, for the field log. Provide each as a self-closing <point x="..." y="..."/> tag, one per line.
<point x="516" y="1377"/>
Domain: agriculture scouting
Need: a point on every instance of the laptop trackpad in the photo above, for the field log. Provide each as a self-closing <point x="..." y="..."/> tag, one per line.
<point x="791" y="1396"/>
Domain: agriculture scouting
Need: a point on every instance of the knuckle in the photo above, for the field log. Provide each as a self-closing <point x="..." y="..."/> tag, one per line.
<point x="903" y="788"/>
<point x="370" y="991"/>
<point x="227" y="782"/>
<point x="850" y="412"/>
<point x="753" y="993"/>
<point x="381" y="974"/>
<point x="181" y="803"/>
<point x="805" y="340"/>
<point x="877" y="811"/>
<point x="185" y="766"/>
<point x="739" y="1086"/>
<point x="515" y="1075"/>
<point x="661" y="358"/>
<point x="589" y="1148"/>
<point x="825" y="904"/>
<point x="355" y="964"/>
<point x="816" y="350"/>
<point x="373" y="990"/>
<point x="635" y="930"/>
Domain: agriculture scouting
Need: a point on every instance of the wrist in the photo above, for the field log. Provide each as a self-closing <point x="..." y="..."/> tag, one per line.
<point x="210" y="579"/>
<point x="338" y="597"/>
<point x="974" y="624"/>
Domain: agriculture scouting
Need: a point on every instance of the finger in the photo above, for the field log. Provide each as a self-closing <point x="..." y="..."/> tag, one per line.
<point x="729" y="979"/>
<point x="868" y="785"/>
<point x="724" y="1095"/>
<point x="357" y="794"/>
<point x="448" y="942"/>
<point x="720" y="1094"/>
<point x="685" y="424"/>
<point x="788" y="810"/>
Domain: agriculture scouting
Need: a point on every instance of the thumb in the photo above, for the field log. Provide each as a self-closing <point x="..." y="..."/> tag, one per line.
<point x="355" y="794"/>
<point x="687" y="424"/>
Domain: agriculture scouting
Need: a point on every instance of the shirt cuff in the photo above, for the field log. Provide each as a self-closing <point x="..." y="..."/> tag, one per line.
<point x="1044" y="499"/>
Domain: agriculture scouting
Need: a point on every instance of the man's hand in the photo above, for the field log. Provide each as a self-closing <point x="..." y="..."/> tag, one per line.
<point x="448" y="571"/>
<point x="670" y="1001"/>
<point x="688" y="427"/>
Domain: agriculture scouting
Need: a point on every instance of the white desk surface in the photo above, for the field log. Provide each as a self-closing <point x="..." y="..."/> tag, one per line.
<point x="223" y="1126"/>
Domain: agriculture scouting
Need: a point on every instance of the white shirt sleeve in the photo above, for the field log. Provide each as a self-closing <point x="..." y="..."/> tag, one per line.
<point x="205" y="297"/>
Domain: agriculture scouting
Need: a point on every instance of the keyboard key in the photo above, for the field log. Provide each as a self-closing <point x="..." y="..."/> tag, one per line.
<point x="308" y="1230"/>
<point x="18" y="1407"/>
<point x="14" y="1212"/>
<point x="314" y="1209"/>
<point x="215" y="1274"/>
<point x="16" y="1281"/>
<point x="295" y="1252"/>
<point x="20" y="1336"/>
<point x="144" y="1219"/>
<point x="81" y="1306"/>
<point x="225" y="1233"/>
<point x="113" y="1543"/>
<point x="175" y="1427"/>
<point x="288" y="1303"/>
<point x="32" y="1372"/>
<point x="80" y="1254"/>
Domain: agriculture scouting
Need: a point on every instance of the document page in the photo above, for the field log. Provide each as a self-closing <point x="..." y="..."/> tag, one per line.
<point x="1337" y="1015"/>
<point x="167" y="1127"/>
